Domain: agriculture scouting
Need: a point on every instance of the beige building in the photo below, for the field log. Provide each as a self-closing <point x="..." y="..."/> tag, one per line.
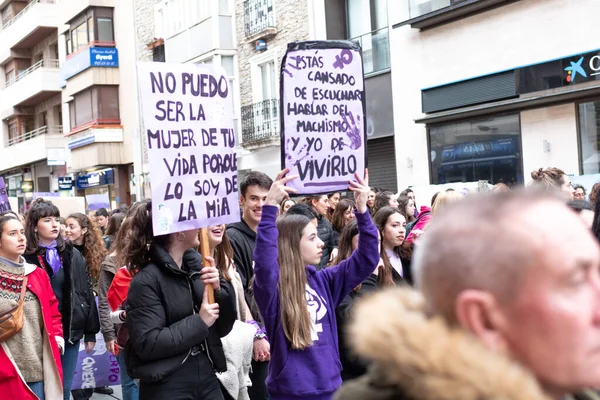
<point x="97" y="46"/>
<point x="32" y="155"/>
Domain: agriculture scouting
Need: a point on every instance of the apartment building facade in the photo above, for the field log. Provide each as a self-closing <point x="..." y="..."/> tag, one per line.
<point x="32" y="154"/>
<point x="492" y="90"/>
<point x="97" y="47"/>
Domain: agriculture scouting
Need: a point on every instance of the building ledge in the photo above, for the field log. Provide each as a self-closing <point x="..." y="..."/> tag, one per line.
<point x="266" y="33"/>
<point x="453" y="12"/>
<point x="262" y="143"/>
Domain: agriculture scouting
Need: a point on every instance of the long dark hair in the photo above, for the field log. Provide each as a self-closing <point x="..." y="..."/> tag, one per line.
<point x="403" y="201"/>
<point x="136" y="251"/>
<point x="224" y="256"/>
<point x="122" y="237"/>
<point x="337" y="221"/>
<point x="40" y="208"/>
<point x="596" y="224"/>
<point x="345" y="242"/>
<point x="114" y="223"/>
<point x="382" y="199"/>
<point x="93" y="245"/>
<point x="380" y="219"/>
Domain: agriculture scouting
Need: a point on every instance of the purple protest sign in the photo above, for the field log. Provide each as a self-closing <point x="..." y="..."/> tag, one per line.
<point x="323" y="138"/>
<point x="188" y="121"/>
<point x="96" y="369"/>
<point x="4" y="203"/>
<point x="97" y="201"/>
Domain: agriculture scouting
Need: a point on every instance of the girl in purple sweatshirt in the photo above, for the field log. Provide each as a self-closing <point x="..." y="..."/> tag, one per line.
<point x="298" y="302"/>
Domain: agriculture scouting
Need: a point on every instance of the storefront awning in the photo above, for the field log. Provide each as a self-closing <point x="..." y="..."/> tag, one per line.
<point x="557" y="96"/>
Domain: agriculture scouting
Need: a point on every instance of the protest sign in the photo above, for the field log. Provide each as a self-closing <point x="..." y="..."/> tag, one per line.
<point x="188" y="121"/>
<point x="97" y="201"/>
<point x="96" y="369"/>
<point x="323" y="123"/>
<point x="4" y="203"/>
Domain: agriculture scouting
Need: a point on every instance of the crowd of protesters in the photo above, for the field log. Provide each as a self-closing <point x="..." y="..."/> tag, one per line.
<point x="355" y="295"/>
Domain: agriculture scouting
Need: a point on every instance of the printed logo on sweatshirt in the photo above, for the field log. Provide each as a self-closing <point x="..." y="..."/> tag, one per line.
<point x="317" y="310"/>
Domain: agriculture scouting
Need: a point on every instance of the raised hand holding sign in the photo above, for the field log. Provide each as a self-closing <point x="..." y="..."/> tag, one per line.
<point x="323" y="137"/>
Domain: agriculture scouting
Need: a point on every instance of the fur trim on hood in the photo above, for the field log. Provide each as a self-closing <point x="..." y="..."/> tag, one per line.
<point x="418" y="357"/>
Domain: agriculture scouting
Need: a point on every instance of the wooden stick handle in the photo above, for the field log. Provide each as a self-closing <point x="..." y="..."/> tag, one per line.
<point x="205" y="250"/>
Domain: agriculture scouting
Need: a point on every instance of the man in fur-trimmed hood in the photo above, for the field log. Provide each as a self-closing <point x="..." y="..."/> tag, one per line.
<point x="508" y="309"/>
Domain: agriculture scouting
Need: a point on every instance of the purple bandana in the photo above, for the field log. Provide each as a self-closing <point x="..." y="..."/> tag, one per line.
<point x="53" y="257"/>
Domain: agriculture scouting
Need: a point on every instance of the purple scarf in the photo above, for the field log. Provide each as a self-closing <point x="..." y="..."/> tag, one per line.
<point x="53" y="257"/>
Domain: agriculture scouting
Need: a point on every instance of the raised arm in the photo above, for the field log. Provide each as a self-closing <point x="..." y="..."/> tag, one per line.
<point x="343" y="278"/>
<point x="266" y="268"/>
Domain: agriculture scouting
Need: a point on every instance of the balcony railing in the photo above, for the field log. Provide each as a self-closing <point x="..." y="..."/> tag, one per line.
<point x="375" y="50"/>
<point x="44" y="130"/>
<point x="258" y="16"/>
<point x="36" y="66"/>
<point x="9" y="22"/>
<point x="260" y="121"/>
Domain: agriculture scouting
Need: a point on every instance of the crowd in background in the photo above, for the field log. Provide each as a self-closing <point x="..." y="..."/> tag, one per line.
<point x="286" y="279"/>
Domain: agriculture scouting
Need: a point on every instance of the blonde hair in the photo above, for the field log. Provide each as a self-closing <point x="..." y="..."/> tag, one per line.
<point x="295" y="318"/>
<point x="548" y="178"/>
<point x="443" y="199"/>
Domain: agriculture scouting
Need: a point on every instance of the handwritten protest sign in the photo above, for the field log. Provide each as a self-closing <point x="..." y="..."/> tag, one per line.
<point x="188" y="123"/>
<point x="96" y="369"/>
<point x="323" y="115"/>
<point x="4" y="203"/>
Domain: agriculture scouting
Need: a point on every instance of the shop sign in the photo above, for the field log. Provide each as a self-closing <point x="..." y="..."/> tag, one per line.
<point x="57" y="156"/>
<point x="65" y="183"/>
<point x="96" y="178"/>
<point x="572" y="70"/>
<point x="104" y="57"/>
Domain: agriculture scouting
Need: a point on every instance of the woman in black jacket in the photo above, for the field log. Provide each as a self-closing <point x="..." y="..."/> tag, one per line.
<point x="320" y="205"/>
<point x="70" y="281"/>
<point x="174" y="345"/>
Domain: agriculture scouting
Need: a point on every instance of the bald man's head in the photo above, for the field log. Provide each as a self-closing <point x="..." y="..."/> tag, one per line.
<point x="480" y="243"/>
<point x="521" y="273"/>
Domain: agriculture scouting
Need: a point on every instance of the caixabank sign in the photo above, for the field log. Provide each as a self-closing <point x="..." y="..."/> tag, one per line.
<point x="104" y="57"/>
<point x="566" y="71"/>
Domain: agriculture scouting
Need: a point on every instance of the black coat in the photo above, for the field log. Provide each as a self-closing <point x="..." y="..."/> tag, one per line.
<point x="82" y="321"/>
<point x="325" y="232"/>
<point x="352" y="365"/>
<point x="163" y="321"/>
<point x="243" y="242"/>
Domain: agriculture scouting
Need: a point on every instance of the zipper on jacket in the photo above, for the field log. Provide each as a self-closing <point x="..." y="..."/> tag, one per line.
<point x="186" y="357"/>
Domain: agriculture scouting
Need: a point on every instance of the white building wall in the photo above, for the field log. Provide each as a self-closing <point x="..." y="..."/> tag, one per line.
<point x="558" y="126"/>
<point x="518" y="34"/>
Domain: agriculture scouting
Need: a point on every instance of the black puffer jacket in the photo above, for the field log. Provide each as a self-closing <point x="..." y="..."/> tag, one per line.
<point x="325" y="232"/>
<point x="163" y="321"/>
<point x="82" y="321"/>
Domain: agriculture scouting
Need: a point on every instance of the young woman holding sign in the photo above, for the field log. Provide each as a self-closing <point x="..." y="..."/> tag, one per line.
<point x="298" y="302"/>
<point x="174" y="345"/>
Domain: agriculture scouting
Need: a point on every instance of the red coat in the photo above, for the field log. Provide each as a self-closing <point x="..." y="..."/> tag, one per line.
<point x="11" y="381"/>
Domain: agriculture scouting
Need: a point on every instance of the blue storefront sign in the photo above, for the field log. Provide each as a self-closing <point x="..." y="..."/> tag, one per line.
<point x="96" y="178"/>
<point x="65" y="183"/>
<point x="103" y="57"/>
